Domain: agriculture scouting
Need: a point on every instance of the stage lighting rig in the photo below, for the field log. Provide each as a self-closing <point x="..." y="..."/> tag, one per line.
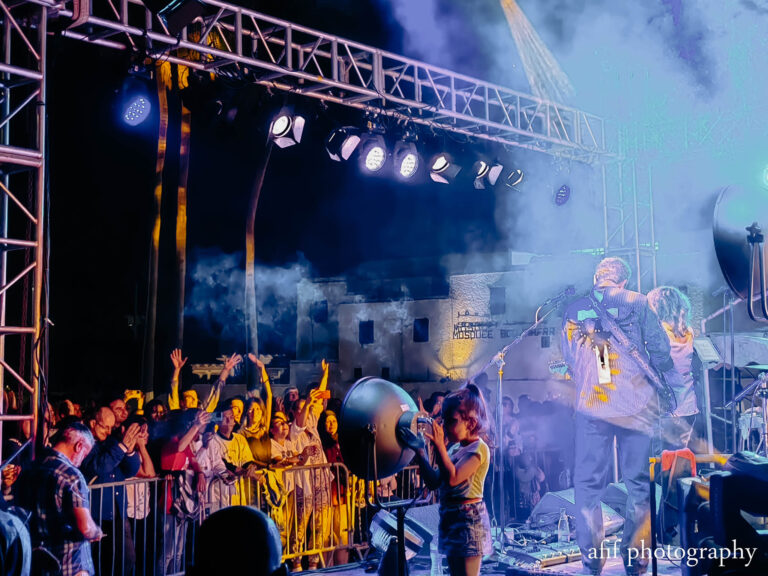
<point x="442" y="169"/>
<point x="486" y="173"/>
<point x="373" y="152"/>
<point x="287" y="128"/>
<point x="514" y="178"/>
<point x="407" y="160"/>
<point x="562" y="195"/>
<point x="341" y="143"/>
<point x="136" y="96"/>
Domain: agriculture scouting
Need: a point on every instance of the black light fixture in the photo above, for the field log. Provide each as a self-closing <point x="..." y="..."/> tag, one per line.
<point x="341" y="143"/>
<point x="287" y="128"/>
<point x="486" y="173"/>
<point x="442" y="169"/>
<point x="175" y="14"/>
<point x="562" y="195"/>
<point x="514" y="178"/>
<point x="406" y="160"/>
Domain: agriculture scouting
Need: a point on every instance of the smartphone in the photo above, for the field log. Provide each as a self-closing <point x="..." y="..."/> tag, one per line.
<point x="324" y="394"/>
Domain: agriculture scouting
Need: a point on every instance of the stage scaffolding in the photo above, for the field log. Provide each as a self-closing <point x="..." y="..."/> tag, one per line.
<point x="238" y="43"/>
<point x="22" y="213"/>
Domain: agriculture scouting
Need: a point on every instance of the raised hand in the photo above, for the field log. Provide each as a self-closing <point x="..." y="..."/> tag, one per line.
<point x="177" y="359"/>
<point x="324" y="365"/>
<point x="232" y="361"/>
<point x="143" y="436"/>
<point x="202" y="418"/>
<point x="131" y="436"/>
<point x="422" y="412"/>
<point x="255" y="359"/>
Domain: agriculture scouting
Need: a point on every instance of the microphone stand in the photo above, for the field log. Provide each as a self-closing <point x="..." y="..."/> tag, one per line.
<point x="498" y="359"/>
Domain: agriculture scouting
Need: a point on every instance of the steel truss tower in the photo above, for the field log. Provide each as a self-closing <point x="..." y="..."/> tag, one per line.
<point x="628" y="216"/>
<point x="22" y="211"/>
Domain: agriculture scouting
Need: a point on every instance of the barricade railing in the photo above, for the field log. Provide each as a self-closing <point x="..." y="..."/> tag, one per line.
<point x="145" y="525"/>
<point x="322" y="513"/>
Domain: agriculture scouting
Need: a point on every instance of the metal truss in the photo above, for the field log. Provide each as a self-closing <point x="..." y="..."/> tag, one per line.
<point x="22" y="206"/>
<point x="238" y="42"/>
<point x="628" y="219"/>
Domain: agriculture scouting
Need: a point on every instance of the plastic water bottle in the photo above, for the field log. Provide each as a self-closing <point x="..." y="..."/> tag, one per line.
<point x="563" y="527"/>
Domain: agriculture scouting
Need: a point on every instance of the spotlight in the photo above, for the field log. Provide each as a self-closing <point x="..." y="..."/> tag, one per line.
<point x="373" y="152"/>
<point x="514" y="178"/>
<point x="562" y="195"/>
<point x="135" y="101"/>
<point x="286" y="129"/>
<point x="406" y="159"/>
<point x="442" y="169"/>
<point x="137" y="110"/>
<point x="341" y="143"/>
<point x="486" y="173"/>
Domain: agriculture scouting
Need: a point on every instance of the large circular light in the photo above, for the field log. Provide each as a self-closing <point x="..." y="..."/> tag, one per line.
<point x="281" y="125"/>
<point x="481" y="168"/>
<point x="409" y="165"/>
<point x="374" y="159"/>
<point x="440" y="164"/>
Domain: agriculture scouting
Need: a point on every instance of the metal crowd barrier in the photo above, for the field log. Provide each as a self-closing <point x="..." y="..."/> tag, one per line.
<point x="323" y="513"/>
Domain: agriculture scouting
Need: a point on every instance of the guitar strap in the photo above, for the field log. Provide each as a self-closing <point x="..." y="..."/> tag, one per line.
<point x="627" y="347"/>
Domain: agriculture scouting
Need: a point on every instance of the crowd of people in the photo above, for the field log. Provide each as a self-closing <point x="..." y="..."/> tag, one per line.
<point x="137" y="476"/>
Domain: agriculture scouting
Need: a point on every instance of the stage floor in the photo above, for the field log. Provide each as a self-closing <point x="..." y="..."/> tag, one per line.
<point x="613" y="567"/>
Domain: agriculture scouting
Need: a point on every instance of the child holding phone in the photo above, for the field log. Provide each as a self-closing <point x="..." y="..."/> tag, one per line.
<point x="464" y="529"/>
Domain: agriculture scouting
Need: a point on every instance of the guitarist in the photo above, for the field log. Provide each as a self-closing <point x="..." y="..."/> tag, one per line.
<point x="611" y="341"/>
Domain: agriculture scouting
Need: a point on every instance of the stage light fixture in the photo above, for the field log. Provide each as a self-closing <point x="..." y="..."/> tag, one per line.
<point x="486" y="173"/>
<point x="442" y="169"/>
<point x="407" y="159"/>
<point x="342" y="143"/>
<point x="373" y="152"/>
<point x="287" y="128"/>
<point x="514" y="178"/>
<point x="175" y="14"/>
<point x="562" y="195"/>
<point x="137" y="110"/>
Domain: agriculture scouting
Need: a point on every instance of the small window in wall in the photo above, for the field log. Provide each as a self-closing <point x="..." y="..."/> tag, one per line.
<point x="365" y="334"/>
<point x="318" y="312"/>
<point x="358" y="372"/>
<point x="385" y="372"/>
<point x="498" y="300"/>
<point x="421" y="330"/>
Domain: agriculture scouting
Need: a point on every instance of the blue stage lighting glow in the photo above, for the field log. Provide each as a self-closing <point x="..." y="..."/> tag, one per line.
<point x="137" y="111"/>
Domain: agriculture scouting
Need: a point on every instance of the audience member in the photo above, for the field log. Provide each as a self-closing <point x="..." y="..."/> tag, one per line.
<point x="57" y="494"/>
<point x="239" y="529"/>
<point x="112" y="459"/>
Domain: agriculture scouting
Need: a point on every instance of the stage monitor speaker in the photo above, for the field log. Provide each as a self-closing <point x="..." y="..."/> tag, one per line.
<point x="547" y="511"/>
<point x="372" y="412"/>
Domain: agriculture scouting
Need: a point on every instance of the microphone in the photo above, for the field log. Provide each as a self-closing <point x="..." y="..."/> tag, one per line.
<point x="569" y="291"/>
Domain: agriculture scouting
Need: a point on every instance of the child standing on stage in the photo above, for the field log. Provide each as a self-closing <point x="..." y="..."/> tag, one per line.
<point x="465" y="532"/>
